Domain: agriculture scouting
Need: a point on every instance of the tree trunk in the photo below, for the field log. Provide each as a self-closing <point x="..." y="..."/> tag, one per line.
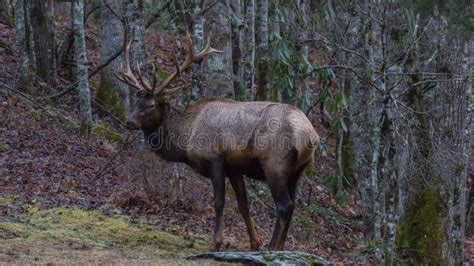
<point x="361" y="109"/>
<point x="43" y="39"/>
<point x="217" y="67"/>
<point x="249" y="49"/>
<point x="237" y="55"/>
<point x="81" y="62"/>
<point x="262" y="41"/>
<point x="198" y="36"/>
<point x="135" y="13"/>
<point x="112" y="93"/>
<point x="26" y="72"/>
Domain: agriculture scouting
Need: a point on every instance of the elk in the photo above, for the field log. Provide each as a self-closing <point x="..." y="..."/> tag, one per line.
<point x="219" y="138"/>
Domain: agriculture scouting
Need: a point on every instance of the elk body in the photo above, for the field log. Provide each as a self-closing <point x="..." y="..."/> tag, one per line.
<point x="221" y="138"/>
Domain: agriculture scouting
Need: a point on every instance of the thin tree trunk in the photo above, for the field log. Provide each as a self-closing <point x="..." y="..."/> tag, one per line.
<point x="198" y="36"/>
<point x="26" y="73"/>
<point x="362" y="109"/>
<point x="249" y="49"/>
<point x="135" y="13"/>
<point x="81" y="61"/>
<point x="237" y="55"/>
<point x="262" y="41"/>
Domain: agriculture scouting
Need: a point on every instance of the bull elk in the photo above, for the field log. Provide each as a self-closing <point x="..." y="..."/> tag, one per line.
<point x="219" y="138"/>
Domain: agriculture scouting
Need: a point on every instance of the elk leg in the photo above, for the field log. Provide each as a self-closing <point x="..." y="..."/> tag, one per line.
<point x="218" y="184"/>
<point x="238" y="184"/>
<point x="292" y="182"/>
<point x="284" y="208"/>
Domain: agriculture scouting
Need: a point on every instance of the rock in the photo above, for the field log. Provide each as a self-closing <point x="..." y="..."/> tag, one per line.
<point x="264" y="258"/>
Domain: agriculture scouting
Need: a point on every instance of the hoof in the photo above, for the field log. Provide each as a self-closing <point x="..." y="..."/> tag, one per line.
<point x="255" y="246"/>
<point x="216" y="247"/>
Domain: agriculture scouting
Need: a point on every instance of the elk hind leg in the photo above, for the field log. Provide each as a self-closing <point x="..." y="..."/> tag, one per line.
<point x="292" y="183"/>
<point x="218" y="184"/>
<point x="284" y="207"/>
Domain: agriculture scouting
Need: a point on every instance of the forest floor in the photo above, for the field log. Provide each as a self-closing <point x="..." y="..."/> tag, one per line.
<point x="67" y="199"/>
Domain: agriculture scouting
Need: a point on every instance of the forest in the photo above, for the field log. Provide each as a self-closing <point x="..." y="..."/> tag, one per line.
<point x="189" y="132"/>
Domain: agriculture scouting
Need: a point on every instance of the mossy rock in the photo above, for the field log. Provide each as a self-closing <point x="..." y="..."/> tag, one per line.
<point x="107" y="133"/>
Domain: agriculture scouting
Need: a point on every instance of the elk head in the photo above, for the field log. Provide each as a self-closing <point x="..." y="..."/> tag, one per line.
<point x="147" y="111"/>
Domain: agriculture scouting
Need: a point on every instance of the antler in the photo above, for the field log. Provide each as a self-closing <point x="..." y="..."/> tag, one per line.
<point x="189" y="60"/>
<point x="142" y="84"/>
<point x="128" y="77"/>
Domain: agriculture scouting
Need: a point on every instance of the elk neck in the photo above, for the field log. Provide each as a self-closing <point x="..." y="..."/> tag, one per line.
<point x="170" y="137"/>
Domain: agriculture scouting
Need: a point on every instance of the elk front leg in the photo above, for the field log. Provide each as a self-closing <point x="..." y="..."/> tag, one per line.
<point x="238" y="184"/>
<point x="218" y="184"/>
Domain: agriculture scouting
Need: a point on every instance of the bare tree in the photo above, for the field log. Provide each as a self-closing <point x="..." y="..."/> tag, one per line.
<point x="27" y="56"/>
<point x="249" y="48"/>
<point x="81" y="62"/>
<point x="262" y="43"/>
<point x="237" y="54"/>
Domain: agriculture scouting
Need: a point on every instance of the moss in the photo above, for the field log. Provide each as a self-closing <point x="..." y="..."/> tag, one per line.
<point x="302" y="219"/>
<point x="420" y="234"/>
<point x="111" y="99"/>
<point x="3" y="43"/>
<point x="348" y="163"/>
<point x="85" y="130"/>
<point x="107" y="133"/>
<point x="5" y="201"/>
<point x="310" y="170"/>
<point x="92" y="228"/>
<point x="5" y="148"/>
